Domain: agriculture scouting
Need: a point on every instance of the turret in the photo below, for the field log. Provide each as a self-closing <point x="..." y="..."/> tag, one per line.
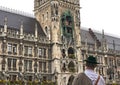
<point x="5" y="25"/>
<point x="60" y="20"/>
<point x="36" y="31"/>
<point x="21" y="30"/>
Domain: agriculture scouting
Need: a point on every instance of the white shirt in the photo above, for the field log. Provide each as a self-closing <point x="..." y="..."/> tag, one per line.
<point x="94" y="76"/>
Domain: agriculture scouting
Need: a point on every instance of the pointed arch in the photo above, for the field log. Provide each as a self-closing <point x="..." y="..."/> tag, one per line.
<point x="71" y="53"/>
<point x="71" y="66"/>
<point x="70" y="50"/>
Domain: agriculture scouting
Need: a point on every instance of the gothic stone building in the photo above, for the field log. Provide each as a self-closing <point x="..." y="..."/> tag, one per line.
<point x="52" y="45"/>
<point x="46" y="46"/>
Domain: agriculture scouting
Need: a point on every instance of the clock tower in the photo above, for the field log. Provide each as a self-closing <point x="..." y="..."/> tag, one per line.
<point x="60" y="21"/>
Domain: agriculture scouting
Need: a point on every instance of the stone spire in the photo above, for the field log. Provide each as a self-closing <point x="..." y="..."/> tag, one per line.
<point x="21" y="30"/>
<point x="5" y="25"/>
<point x="86" y="44"/>
<point x="36" y="31"/>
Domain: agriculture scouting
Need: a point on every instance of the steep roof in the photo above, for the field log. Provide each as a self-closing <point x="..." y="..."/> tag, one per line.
<point x="85" y="34"/>
<point x="15" y="18"/>
<point x="110" y="40"/>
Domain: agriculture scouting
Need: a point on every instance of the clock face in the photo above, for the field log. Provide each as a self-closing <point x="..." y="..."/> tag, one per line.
<point x="67" y="24"/>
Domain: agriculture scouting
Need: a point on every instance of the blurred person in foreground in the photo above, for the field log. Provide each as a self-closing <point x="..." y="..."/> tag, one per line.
<point x="89" y="76"/>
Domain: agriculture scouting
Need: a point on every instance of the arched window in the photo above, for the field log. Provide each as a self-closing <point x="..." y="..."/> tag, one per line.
<point x="71" y="66"/>
<point x="70" y="50"/>
<point x="63" y="53"/>
<point x="71" y="53"/>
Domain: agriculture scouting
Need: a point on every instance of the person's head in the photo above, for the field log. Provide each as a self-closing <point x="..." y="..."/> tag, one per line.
<point x="91" y="62"/>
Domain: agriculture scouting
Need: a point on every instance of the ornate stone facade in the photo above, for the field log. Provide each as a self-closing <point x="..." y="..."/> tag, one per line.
<point x="60" y="20"/>
<point x="52" y="45"/>
<point x="47" y="46"/>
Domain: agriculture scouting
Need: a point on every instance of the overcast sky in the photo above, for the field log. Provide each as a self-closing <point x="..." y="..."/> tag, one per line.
<point x="95" y="14"/>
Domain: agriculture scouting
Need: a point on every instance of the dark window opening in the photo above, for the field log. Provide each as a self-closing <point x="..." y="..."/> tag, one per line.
<point x="70" y="50"/>
<point x="69" y="20"/>
<point x="71" y="64"/>
<point x="69" y="30"/>
<point x="30" y="78"/>
<point x="64" y="67"/>
<point x="71" y="53"/>
<point x="63" y="53"/>
<point x="71" y="67"/>
<point x="63" y="50"/>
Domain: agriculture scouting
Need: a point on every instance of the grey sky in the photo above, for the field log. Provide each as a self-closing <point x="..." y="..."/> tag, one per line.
<point x="95" y="14"/>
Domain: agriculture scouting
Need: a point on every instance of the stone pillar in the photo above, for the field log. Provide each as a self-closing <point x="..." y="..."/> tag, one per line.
<point x="36" y="32"/>
<point x="21" y="30"/>
<point x="5" y="26"/>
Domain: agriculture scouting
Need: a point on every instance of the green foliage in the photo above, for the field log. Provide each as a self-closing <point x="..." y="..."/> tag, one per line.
<point x="3" y="81"/>
<point x="48" y="83"/>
